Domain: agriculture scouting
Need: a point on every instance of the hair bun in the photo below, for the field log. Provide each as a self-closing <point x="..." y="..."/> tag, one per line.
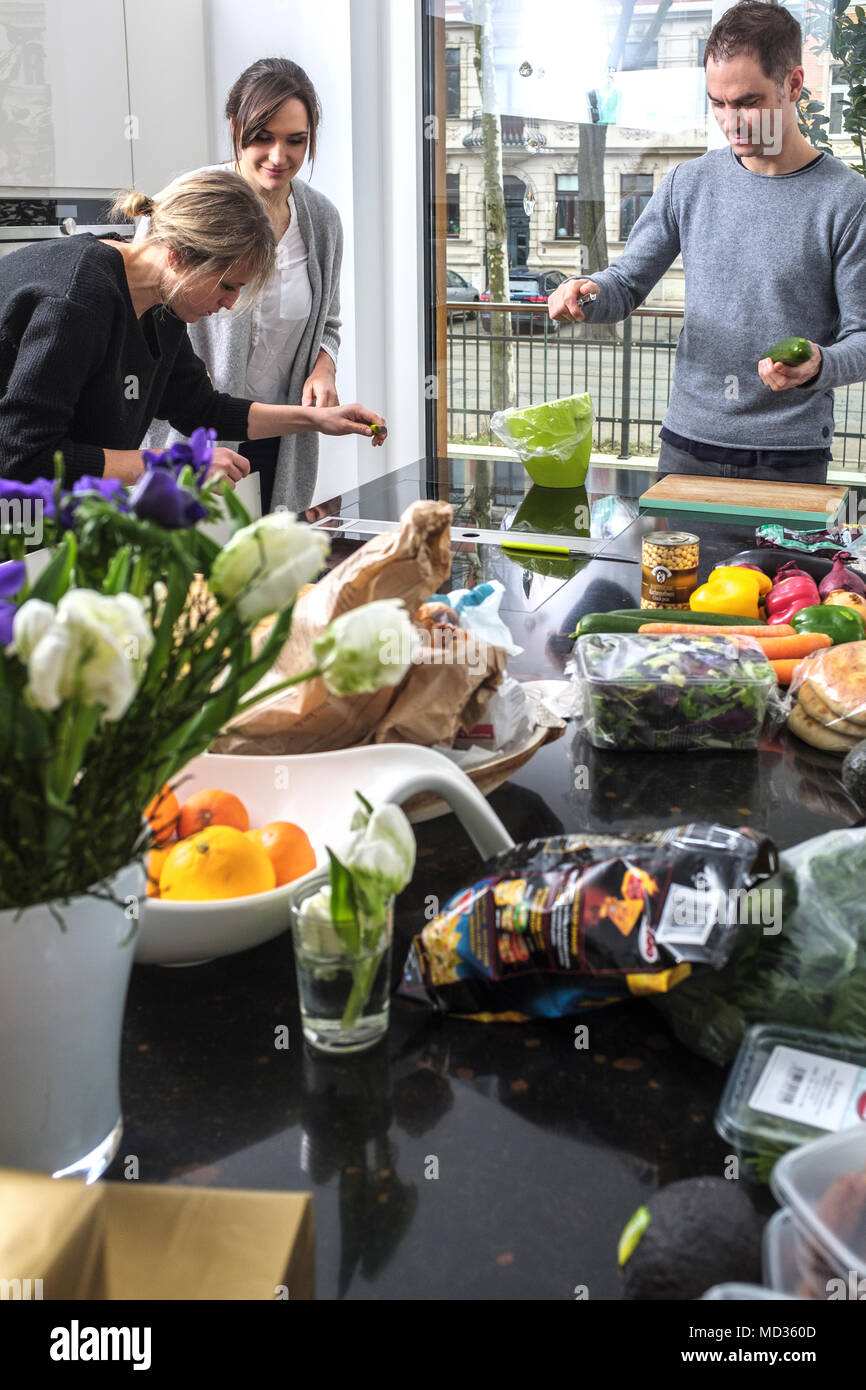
<point x="132" y="204"/>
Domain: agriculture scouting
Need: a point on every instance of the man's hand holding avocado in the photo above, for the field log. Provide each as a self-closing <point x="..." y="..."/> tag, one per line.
<point x="563" y="306"/>
<point x="792" y="362"/>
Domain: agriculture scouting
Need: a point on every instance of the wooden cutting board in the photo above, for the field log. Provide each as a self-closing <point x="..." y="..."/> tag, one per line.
<point x="738" y="499"/>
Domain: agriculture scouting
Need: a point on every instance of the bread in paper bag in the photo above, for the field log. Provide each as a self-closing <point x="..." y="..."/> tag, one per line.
<point x="436" y="695"/>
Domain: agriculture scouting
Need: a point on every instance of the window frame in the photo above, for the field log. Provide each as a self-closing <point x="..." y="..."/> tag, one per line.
<point x="571" y="196"/>
<point x="452" y="188"/>
<point x="450" y="68"/>
<point x="634" y="194"/>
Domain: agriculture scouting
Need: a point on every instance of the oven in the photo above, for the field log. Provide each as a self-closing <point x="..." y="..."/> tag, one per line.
<point x="24" y="220"/>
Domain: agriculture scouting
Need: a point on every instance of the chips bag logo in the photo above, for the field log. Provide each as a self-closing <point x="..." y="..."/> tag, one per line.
<point x="626" y="911"/>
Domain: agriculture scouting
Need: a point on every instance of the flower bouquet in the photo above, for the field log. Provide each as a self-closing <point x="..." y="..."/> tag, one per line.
<point x="131" y="651"/>
<point x="122" y="659"/>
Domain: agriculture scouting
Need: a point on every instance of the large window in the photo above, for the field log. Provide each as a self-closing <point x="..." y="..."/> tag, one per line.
<point x="452" y="81"/>
<point x="452" y="185"/>
<point x="567" y="212"/>
<point x="545" y="188"/>
<point x="635" y="191"/>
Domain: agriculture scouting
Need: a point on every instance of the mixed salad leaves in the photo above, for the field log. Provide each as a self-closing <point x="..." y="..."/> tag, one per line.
<point x="673" y="692"/>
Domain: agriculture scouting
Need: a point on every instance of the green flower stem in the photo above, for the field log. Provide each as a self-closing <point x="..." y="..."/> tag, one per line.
<point x="77" y="725"/>
<point x="275" y="689"/>
<point x="363" y="977"/>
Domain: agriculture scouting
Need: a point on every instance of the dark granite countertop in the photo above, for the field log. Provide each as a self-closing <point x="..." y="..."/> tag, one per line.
<point x="462" y="1160"/>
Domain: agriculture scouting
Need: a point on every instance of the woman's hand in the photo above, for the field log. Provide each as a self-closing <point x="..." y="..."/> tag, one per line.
<point x="779" y="377"/>
<point x="320" y="386"/>
<point x="350" y="419"/>
<point x="228" y="465"/>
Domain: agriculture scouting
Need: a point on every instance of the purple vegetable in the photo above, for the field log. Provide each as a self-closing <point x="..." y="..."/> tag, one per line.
<point x="841" y="578"/>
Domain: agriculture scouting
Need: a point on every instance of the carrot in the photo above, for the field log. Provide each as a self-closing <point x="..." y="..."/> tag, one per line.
<point x="716" y="630"/>
<point x="785" y="669"/>
<point x="786" y="648"/>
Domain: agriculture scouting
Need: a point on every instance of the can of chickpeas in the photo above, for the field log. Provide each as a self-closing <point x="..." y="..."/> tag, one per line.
<point x="669" y="561"/>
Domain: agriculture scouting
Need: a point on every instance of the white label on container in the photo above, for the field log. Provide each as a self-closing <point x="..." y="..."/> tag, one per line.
<point x="689" y="915"/>
<point x="811" y="1089"/>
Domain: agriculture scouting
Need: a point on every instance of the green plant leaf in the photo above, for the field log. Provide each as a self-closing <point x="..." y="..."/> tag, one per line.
<point x="237" y="512"/>
<point x="117" y="578"/>
<point x="52" y="583"/>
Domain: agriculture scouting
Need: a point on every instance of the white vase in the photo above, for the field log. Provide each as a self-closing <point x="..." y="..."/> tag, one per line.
<point x="62" y="997"/>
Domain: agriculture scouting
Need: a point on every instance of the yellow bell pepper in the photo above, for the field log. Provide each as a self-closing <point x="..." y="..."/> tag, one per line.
<point x="730" y="589"/>
<point x="765" y="583"/>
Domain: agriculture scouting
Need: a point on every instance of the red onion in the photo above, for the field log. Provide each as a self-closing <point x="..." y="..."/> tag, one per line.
<point x="790" y="571"/>
<point x="841" y="578"/>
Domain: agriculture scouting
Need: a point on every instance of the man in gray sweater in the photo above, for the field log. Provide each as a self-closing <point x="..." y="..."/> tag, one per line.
<point x="773" y="242"/>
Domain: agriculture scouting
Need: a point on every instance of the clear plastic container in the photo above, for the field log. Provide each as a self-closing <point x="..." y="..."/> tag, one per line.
<point x="741" y="1293"/>
<point x="824" y="1185"/>
<point x="779" y="1258"/>
<point x="788" y="1086"/>
<point x="672" y="691"/>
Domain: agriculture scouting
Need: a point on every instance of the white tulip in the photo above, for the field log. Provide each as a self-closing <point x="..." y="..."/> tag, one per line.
<point x="383" y="847"/>
<point x="367" y="648"/>
<point x="316" y="928"/>
<point x="31" y="622"/>
<point x="265" y="564"/>
<point x="92" y="647"/>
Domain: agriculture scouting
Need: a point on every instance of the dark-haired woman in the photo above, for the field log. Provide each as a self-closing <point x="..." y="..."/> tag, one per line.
<point x="284" y="351"/>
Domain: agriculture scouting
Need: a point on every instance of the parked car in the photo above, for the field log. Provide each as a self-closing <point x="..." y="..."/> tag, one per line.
<point x="527" y="286"/>
<point x="459" y="291"/>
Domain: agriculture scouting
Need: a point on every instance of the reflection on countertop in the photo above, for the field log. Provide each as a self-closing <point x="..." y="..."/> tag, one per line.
<point x="464" y="1160"/>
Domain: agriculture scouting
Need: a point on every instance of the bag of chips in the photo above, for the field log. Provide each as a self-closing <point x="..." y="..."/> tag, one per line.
<point x="577" y="921"/>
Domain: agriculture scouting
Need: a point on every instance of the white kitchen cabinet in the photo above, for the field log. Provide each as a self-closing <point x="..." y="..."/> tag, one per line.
<point x="99" y="95"/>
<point x="63" y="97"/>
<point x="167" y="89"/>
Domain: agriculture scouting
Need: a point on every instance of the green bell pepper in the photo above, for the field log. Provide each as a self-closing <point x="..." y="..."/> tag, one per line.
<point x="840" y="624"/>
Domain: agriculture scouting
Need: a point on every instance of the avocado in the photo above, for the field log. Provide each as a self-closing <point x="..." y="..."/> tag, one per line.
<point x="854" y="773"/>
<point x="689" y="1236"/>
<point x="791" y="351"/>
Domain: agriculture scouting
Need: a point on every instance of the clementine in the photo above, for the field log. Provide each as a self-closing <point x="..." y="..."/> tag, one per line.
<point x="219" y="862"/>
<point x="211" y="807"/>
<point x="155" y="860"/>
<point x="162" y="814"/>
<point x="288" y="848"/>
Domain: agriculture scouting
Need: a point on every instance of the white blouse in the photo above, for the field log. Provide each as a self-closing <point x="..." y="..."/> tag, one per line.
<point x="279" y="319"/>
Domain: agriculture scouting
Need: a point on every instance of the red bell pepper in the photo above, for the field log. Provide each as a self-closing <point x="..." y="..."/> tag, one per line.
<point x="792" y="590"/>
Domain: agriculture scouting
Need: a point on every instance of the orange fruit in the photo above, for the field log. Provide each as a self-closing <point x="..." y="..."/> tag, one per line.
<point x="155" y="861"/>
<point x="211" y="807"/>
<point x="162" y="813"/>
<point x="219" y="862"/>
<point x="288" y="849"/>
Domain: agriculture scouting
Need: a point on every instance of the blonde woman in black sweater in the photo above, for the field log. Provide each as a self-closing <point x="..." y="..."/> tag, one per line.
<point x="93" y="340"/>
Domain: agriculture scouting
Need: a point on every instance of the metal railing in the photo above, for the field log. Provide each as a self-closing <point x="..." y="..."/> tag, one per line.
<point x="626" y="367"/>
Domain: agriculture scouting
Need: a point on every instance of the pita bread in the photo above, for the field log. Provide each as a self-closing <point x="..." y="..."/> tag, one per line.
<point x="810" y="731"/>
<point x="816" y="708"/>
<point x="838" y="676"/>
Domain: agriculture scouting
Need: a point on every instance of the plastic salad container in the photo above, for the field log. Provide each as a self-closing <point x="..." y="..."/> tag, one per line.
<point x="779" y="1258"/>
<point x="553" y="441"/>
<point x="787" y="1086"/>
<point x="824" y="1184"/>
<point x="676" y="691"/>
<point x="740" y="1293"/>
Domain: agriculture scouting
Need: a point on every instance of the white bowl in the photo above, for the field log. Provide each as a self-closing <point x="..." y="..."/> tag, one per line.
<point x="317" y="792"/>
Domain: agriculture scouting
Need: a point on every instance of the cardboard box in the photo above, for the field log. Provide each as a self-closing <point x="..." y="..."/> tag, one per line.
<point x="136" y="1240"/>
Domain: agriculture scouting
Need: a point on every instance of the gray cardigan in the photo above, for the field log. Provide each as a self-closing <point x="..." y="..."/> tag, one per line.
<point x="223" y="343"/>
